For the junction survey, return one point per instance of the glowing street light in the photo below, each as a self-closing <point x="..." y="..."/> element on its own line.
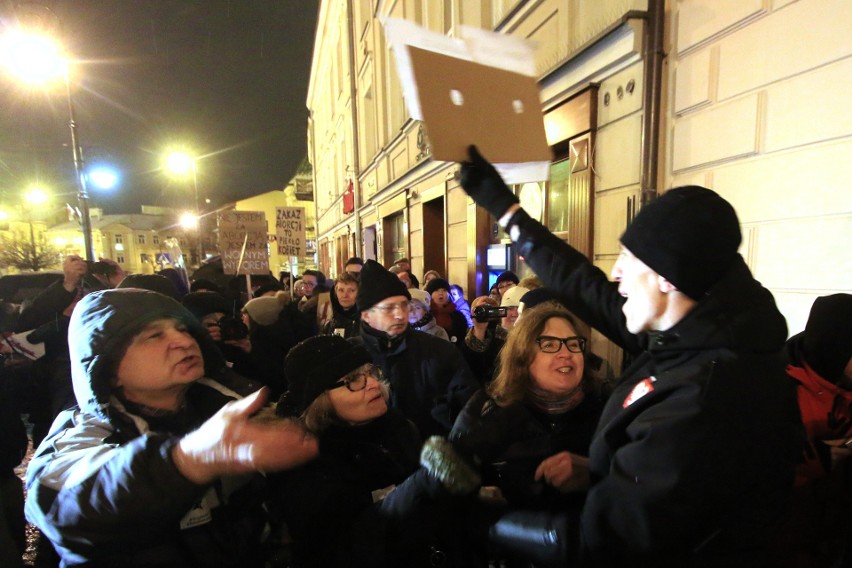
<point x="36" y="196"/>
<point x="189" y="221"/>
<point x="35" y="60"/>
<point x="180" y="163"/>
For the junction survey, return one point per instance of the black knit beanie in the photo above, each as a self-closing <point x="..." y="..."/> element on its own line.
<point x="437" y="284"/>
<point x="316" y="365"/>
<point x="507" y="275"/>
<point x="378" y="283"/>
<point x="204" y="303"/>
<point x="828" y="336"/>
<point x="689" y="236"/>
<point x="153" y="282"/>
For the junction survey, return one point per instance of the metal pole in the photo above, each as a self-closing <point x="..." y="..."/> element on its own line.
<point x="82" y="194"/>
<point x="200" y="247"/>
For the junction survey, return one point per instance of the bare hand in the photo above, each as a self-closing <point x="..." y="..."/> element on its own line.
<point x="230" y="443"/>
<point x="74" y="269"/>
<point x="564" y="471"/>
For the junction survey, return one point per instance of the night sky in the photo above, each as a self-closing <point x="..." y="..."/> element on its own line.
<point x="227" y="79"/>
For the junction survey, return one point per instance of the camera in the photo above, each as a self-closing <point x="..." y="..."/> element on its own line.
<point x="232" y="328"/>
<point x="101" y="267"/>
<point x="489" y="313"/>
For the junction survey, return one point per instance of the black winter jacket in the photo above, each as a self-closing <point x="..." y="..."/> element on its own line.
<point x="510" y="442"/>
<point x="693" y="459"/>
<point x="430" y="381"/>
<point x="102" y="486"/>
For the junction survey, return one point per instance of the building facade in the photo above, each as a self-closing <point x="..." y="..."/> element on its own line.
<point x="744" y="96"/>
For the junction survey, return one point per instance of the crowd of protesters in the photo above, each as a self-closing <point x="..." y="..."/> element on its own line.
<point x="371" y="420"/>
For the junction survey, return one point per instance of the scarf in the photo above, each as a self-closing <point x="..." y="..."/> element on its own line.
<point x="442" y="315"/>
<point x="555" y="403"/>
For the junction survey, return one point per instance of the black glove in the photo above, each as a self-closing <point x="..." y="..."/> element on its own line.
<point x="482" y="182"/>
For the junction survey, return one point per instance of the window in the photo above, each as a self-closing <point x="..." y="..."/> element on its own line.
<point x="119" y="258"/>
<point x="155" y="239"/>
<point x="144" y="258"/>
<point x="140" y="239"/>
<point x="118" y="239"/>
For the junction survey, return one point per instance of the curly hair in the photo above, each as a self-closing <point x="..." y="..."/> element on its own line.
<point x="513" y="379"/>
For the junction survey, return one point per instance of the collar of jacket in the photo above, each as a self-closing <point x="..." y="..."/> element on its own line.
<point x="419" y="324"/>
<point x="382" y="340"/>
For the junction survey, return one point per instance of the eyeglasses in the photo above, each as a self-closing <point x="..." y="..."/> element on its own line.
<point x="505" y="284"/>
<point x="390" y="308"/>
<point x="548" y="344"/>
<point x="357" y="381"/>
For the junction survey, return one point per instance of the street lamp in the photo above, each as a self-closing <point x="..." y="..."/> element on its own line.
<point x="36" y="60"/>
<point x="181" y="164"/>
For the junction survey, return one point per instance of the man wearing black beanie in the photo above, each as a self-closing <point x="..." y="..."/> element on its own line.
<point x="430" y="381"/>
<point x="692" y="461"/>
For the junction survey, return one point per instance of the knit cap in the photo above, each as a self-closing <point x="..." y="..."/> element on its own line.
<point x="378" y="283"/>
<point x="689" y="236"/>
<point x="264" y="310"/>
<point x="437" y="284"/>
<point x="153" y="282"/>
<point x="508" y="275"/>
<point x="512" y="296"/>
<point x="203" y="303"/>
<point x="316" y="365"/>
<point x="421" y="296"/>
<point x="828" y="336"/>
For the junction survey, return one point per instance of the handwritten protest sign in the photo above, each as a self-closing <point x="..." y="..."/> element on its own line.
<point x="290" y="231"/>
<point x="236" y="228"/>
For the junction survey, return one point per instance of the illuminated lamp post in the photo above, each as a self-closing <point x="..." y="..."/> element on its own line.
<point x="182" y="164"/>
<point x="37" y="60"/>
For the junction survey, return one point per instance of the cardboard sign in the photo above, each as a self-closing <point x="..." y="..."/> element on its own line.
<point x="478" y="88"/>
<point x="467" y="103"/>
<point x="290" y="231"/>
<point x="238" y="228"/>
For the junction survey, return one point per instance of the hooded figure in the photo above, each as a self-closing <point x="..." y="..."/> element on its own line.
<point x="122" y="479"/>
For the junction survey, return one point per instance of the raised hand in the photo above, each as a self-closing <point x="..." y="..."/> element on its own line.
<point x="484" y="185"/>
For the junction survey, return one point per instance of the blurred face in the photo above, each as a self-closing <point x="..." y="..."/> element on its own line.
<point x="646" y="303"/>
<point x="309" y="282"/>
<point x="361" y="399"/>
<point x="416" y="312"/>
<point x="455" y="295"/>
<point x="405" y="279"/>
<point x="494" y="294"/>
<point x="346" y="293"/>
<point x="508" y="322"/>
<point x="559" y="372"/>
<point x="353" y="268"/>
<point x="390" y="315"/>
<point x="406" y="266"/>
<point x="441" y="296"/>
<point x="429" y="276"/>
<point x="211" y="322"/>
<point x="503" y="286"/>
<point x="160" y="364"/>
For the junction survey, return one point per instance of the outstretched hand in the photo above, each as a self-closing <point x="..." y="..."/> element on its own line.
<point x="229" y="442"/>
<point x="484" y="185"/>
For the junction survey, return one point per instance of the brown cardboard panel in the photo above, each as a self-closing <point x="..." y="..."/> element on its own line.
<point x="467" y="103"/>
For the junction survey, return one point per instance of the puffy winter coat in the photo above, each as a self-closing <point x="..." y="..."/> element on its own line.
<point x="102" y="486"/>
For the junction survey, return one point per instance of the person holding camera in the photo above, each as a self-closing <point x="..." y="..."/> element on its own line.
<point x="483" y="341"/>
<point x="47" y="315"/>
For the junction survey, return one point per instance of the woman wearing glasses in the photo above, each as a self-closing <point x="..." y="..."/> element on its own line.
<point x="532" y="426"/>
<point x="360" y="502"/>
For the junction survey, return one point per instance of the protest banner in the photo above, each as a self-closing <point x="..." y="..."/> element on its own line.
<point x="290" y="231"/>
<point x="243" y="227"/>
